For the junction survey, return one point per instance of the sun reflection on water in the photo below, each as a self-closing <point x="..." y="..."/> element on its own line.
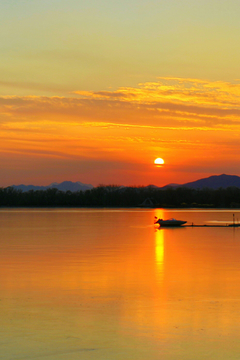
<point x="159" y="254"/>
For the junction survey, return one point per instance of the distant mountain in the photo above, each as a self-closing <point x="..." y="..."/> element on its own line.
<point x="64" y="186"/>
<point x="172" y="185"/>
<point x="69" y="185"/>
<point x="213" y="182"/>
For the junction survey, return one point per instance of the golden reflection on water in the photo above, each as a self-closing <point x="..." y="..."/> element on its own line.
<point x="159" y="253"/>
<point x="112" y="286"/>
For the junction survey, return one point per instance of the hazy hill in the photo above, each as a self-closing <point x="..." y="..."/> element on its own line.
<point x="64" y="186"/>
<point x="213" y="182"/>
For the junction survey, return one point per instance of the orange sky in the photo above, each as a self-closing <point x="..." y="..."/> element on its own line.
<point x="114" y="136"/>
<point x="95" y="93"/>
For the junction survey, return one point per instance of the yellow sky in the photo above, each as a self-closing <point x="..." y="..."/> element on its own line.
<point x="95" y="91"/>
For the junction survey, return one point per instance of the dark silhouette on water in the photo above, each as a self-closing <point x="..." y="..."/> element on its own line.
<point x="179" y="223"/>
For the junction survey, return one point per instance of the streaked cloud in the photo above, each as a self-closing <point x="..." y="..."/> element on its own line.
<point x="171" y="105"/>
<point x="190" y="91"/>
<point x="170" y="102"/>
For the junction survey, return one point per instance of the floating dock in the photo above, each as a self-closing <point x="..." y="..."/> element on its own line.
<point x="201" y="226"/>
<point x="232" y="224"/>
<point x="211" y="225"/>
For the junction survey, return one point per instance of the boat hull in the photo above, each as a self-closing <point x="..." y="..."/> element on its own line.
<point x="170" y="223"/>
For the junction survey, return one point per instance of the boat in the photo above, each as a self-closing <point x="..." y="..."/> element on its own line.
<point x="170" y="222"/>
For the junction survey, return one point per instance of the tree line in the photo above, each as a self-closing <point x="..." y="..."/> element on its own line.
<point x="117" y="196"/>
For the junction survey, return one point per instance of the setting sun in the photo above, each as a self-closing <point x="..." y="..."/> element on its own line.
<point x="159" y="161"/>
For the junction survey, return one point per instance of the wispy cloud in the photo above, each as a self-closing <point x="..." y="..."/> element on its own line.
<point x="177" y="90"/>
<point x="169" y="103"/>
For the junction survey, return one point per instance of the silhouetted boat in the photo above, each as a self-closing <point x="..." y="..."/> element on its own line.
<point x="170" y="222"/>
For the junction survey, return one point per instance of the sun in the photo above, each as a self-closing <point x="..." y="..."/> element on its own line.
<point x="159" y="161"/>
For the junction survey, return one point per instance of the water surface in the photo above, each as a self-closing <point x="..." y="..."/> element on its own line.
<point x="106" y="284"/>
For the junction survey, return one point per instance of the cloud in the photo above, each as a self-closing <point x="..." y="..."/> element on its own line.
<point x="176" y="90"/>
<point x="169" y="103"/>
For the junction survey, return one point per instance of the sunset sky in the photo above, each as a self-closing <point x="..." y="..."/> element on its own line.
<point x="95" y="91"/>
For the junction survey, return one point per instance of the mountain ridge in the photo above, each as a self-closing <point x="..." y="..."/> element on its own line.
<point x="63" y="186"/>
<point x="212" y="182"/>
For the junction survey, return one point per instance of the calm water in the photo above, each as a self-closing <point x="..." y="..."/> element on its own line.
<point x="105" y="284"/>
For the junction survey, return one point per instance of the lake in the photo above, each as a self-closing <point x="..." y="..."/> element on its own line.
<point x="105" y="284"/>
